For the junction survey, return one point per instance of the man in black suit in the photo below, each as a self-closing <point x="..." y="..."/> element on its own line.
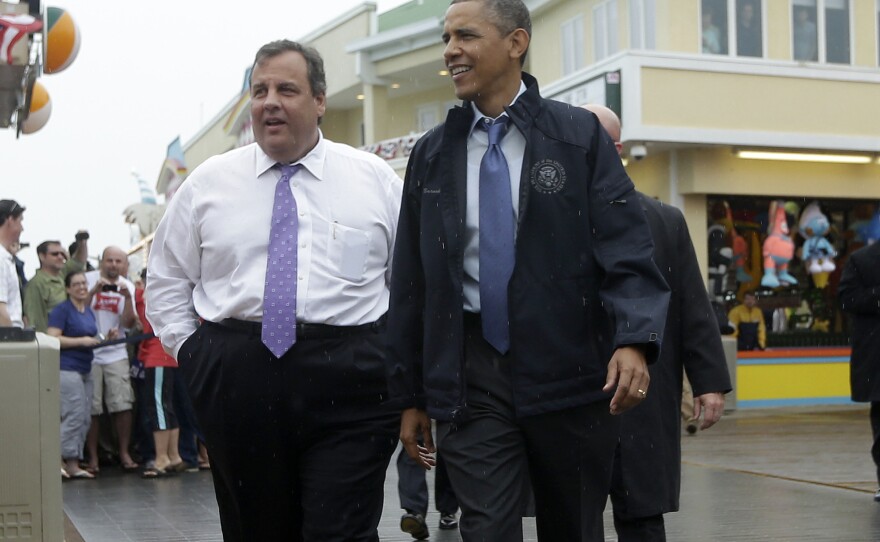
<point x="859" y="294"/>
<point x="526" y="387"/>
<point x="647" y="463"/>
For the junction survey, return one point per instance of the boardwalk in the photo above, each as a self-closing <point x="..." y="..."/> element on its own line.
<point x="775" y="475"/>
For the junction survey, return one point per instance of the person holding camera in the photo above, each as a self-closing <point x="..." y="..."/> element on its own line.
<point x="46" y="288"/>
<point x="113" y="304"/>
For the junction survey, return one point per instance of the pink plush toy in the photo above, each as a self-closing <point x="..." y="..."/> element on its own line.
<point x="778" y="249"/>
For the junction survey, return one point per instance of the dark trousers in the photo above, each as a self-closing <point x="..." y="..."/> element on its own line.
<point x="875" y="429"/>
<point x="190" y="434"/>
<point x="299" y="445"/>
<point x="567" y="455"/>
<point x="412" y="487"/>
<point x="647" y="529"/>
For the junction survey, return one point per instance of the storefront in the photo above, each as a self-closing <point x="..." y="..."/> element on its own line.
<point x="790" y="252"/>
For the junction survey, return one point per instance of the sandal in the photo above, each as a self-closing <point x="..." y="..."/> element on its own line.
<point x="152" y="473"/>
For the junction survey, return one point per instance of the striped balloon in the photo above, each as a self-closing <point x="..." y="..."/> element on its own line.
<point x="62" y="40"/>
<point x="41" y="109"/>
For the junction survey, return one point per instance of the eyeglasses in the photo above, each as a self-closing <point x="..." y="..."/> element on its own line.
<point x="78" y="284"/>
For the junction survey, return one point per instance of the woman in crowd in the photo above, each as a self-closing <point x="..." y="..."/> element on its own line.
<point x="159" y="393"/>
<point x="73" y="323"/>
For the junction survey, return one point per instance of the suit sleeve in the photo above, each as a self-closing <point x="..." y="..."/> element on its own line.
<point x="406" y="305"/>
<point x="856" y="294"/>
<point x="701" y="350"/>
<point x="633" y="290"/>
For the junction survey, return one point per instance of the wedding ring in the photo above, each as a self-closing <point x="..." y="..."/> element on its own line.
<point x="643" y="393"/>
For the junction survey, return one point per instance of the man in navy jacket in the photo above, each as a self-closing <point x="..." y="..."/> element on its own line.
<point x="586" y="304"/>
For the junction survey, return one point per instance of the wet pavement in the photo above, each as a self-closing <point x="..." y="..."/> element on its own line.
<point x="781" y="474"/>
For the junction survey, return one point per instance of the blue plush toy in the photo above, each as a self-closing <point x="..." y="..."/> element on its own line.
<point x="817" y="251"/>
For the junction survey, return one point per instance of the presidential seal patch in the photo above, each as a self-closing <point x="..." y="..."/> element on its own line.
<point x="548" y="176"/>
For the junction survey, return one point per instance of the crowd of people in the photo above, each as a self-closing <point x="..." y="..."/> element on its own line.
<point x="538" y="322"/>
<point x="109" y="360"/>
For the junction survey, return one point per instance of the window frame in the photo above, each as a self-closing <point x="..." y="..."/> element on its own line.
<point x="822" y="32"/>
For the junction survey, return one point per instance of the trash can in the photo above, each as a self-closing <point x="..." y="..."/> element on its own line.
<point x="30" y="437"/>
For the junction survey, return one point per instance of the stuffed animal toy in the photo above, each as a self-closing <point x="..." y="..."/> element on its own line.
<point x="817" y="251"/>
<point x="778" y="248"/>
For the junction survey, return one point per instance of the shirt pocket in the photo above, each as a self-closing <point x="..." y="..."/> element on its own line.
<point x="349" y="248"/>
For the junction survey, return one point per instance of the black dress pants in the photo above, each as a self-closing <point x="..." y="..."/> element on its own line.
<point x="299" y="445"/>
<point x="412" y="486"/>
<point x="566" y="455"/>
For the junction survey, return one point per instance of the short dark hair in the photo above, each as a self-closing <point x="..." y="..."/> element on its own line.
<point x="314" y="62"/>
<point x="43" y="247"/>
<point x="69" y="277"/>
<point x="507" y="16"/>
<point x="10" y="208"/>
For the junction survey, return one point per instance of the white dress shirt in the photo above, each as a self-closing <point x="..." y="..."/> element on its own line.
<point x="513" y="145"/>
<point x="10" y="292"/>
<point x="208" y="257"/>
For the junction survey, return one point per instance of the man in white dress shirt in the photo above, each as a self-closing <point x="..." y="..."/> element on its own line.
<point x="11" y="217"/>
<point x="300" y="435"/>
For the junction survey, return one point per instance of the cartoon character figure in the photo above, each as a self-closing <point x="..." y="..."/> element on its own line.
<point x="739" y="246"/>
<point x="817" y="251"/>
<point x="778" y="249"/>
<point x="870" y="231"/>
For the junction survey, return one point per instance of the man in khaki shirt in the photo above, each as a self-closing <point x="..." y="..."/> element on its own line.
<point x="46" y="289"/>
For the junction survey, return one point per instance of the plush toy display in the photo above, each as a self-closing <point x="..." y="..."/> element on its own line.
<point x="778" y="248"/>
<point x="817" y="251"/>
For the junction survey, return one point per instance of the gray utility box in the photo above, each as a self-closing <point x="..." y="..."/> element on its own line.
<point x="30" y="437"/>
<point x="729" y="344"/>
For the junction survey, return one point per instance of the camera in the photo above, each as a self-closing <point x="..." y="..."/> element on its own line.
<point x="82" y="235"/>
<point x="638" y="152"/>
<point x="109" y="288"/>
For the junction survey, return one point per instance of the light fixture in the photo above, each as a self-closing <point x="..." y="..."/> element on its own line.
<point x="360" y="97"/>
<point x="395" y="85"/>
<point x="804" y="157"/>
<point x="444" y="73"/>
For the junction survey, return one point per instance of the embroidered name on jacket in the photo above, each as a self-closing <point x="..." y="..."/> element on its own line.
<point x="548" y="176"/>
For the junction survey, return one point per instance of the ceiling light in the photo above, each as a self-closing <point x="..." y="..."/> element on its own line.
<point x="444" y="73"/>
<point x="804" y="157"/>
<point x="395" y="85"/>
<point x="360" y="96"/>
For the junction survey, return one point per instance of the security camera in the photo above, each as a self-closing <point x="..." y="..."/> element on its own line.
<point x="637" y="152"/>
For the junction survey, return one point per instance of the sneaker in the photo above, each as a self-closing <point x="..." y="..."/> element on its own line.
<point x="448" y="521"/>
<point x="415" y="525"/>
<point x="877" y="496"/>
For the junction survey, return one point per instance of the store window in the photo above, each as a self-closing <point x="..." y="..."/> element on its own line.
<point x="572" y="32"/>
<point x="795" y="286"/>
<point x="821" y="31"/>
<point x="642" y="32"/>
<point x="605" y="29"/>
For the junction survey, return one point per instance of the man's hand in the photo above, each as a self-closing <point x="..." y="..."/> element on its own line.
<point x="415" y="427"/>
<point x="627" y="370"/>
<point x="712" y="406"/>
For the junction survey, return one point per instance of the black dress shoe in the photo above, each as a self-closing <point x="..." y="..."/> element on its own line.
<point x="877" y="496"/>
<point x="415" y="525"/>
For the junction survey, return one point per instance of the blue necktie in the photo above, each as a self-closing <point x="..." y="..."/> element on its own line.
<point x="496" y="237"/>
<point x="279" y="295"/>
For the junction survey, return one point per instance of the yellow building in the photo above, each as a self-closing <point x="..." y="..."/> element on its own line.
<point x="723" y="102"/>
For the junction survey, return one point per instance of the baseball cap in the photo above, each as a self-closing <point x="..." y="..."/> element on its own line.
<point x="9" y="207"/>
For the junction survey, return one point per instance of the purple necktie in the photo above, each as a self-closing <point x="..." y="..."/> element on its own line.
<point x="279" y="296"/>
